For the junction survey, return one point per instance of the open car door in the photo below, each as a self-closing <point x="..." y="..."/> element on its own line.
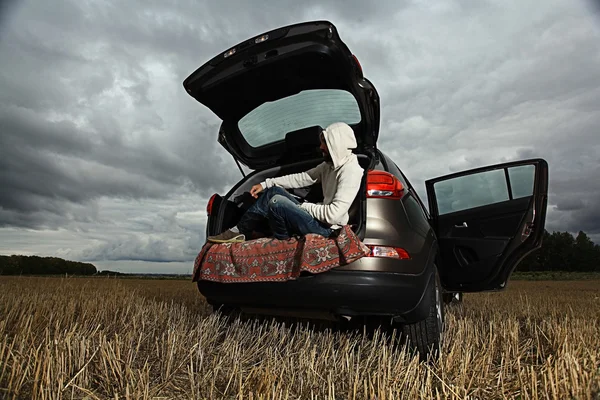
<point x="487" y="220"/>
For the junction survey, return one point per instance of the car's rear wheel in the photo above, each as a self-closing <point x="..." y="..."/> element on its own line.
<point x="426" y="336"/>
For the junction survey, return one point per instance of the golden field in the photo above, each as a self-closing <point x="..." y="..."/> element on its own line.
<point x="106" y="338"/>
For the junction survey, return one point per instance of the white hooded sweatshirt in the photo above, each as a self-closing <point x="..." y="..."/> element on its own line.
<point x="340" y="181"/>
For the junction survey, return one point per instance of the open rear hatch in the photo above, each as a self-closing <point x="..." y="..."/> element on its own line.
<point x="285" y="80"/>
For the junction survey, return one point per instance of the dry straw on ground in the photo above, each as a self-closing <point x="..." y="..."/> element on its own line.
<point x="63" y="338"/>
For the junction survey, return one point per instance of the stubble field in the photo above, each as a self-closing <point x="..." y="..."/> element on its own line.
<point x="101" y="338"/>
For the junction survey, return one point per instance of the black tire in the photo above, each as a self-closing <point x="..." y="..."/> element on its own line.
<point x="426" y="336"/>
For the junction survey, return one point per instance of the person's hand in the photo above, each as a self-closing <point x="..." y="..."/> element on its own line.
<point x="256" y="189"/>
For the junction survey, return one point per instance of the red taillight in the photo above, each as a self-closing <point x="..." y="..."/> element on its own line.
<point x="388" y="252"/>
<point x="381" y="184"/>
<point x="209" y="206"/>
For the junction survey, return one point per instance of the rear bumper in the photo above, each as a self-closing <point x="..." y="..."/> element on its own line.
<point x="351" y="293"/>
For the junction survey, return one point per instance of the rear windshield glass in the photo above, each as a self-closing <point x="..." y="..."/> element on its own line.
<point x="271" y="121"/>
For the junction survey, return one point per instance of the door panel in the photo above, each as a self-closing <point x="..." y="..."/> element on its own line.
<point x="477" y="238"/>
<point x="487" y="220"/>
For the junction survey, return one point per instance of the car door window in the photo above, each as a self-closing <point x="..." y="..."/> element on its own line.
<point x="465" y="192"/>
<point x="521" y="180"/>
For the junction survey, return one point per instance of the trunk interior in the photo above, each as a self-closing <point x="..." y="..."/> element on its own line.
<point x="227" y="210"/>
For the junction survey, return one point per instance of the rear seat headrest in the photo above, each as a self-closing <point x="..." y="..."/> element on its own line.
<point x="307" y="138"/>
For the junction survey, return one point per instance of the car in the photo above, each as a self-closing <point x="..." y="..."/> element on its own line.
<point x="274" y="93"/>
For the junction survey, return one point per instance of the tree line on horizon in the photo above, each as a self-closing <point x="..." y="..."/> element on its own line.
<point x="560" y="251"/>
<point x="35" y="265"/>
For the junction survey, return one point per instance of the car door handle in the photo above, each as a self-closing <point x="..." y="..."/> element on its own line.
<point x="463" y="225"/>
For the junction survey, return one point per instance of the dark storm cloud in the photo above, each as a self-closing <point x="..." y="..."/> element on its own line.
<point x="570" y="204"/>
<point x="45" y="163"/>
<point x="173" y="233"/>
<point x="526" y="91"/>
<point x="62" y="141"/>
<point x="142" y="249"/>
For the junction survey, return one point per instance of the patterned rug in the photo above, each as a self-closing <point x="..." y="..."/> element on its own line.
<point x="270" y="259"/>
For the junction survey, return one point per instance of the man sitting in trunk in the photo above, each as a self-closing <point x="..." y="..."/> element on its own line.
<point x="340" y="175"/>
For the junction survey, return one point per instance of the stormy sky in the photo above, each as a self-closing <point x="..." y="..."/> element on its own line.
<point x="105" y="158"/>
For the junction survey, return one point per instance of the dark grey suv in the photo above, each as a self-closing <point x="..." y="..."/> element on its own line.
<point x="273" y="93"/>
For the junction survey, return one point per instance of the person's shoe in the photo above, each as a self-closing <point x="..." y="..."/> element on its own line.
<point x="227" y="237"/>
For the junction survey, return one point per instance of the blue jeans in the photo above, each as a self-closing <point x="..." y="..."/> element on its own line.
<point x="284" y="215"/>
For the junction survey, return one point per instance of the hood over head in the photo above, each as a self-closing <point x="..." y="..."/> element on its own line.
<point x="340" y="141"/>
